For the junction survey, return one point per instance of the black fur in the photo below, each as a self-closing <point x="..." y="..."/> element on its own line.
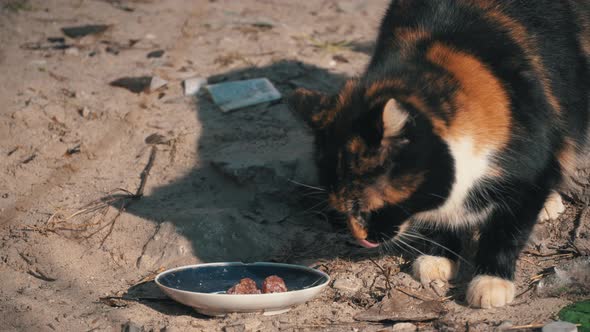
<point x="529" y="162"/>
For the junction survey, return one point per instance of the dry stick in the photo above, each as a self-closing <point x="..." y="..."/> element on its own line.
<point x="415" y="295"/>
<point x="138" y="194"/>
<point x="525" y="327"/>
<point x="400" y="289"/>
<point x="529" y="327"/>
<point x="385" y="274"/>
<point x="145" y="173"/>
<point x="39" y="274"/>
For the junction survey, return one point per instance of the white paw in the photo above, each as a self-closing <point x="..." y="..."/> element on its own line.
<point x="429" y="268"/>
<point x="553" y="207"/>
<point x="490" y="292"/>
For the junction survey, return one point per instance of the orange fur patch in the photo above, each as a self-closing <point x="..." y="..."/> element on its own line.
<point x="520" y="35"/>
<point x="380" y="86"/>
<point x="483" y="106"/>
<point x="567" y="157"/>
<point x="356" y="146"/>
<point x="387" y="191"/>
<point x="326" y="117"/>
<point x="407" y="38"/>
<point x="356" y="229"/>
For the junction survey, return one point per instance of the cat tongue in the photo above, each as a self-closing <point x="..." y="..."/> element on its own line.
<point x="367" y="244"/>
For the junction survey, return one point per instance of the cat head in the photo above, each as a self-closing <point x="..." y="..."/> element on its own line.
<point x="377" y="157"/>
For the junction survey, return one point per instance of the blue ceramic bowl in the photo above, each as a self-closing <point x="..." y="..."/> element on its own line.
<point x="203" y="286"/>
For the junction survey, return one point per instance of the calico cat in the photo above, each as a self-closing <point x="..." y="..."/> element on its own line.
<point x="467" y="117"/>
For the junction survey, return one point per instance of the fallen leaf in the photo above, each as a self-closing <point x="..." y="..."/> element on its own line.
<point x="399" y="307"/>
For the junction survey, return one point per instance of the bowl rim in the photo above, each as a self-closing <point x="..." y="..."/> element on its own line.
<point x="218" y="295"/>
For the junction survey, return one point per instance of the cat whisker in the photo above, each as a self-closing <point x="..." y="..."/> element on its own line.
<point x="420" y="237"/>
<point x="437" y="196"/>
<point x="411" y="246"/>
<point x="307" y="186"/>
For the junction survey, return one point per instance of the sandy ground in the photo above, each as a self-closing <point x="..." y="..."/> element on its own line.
<point x="220" y="188"/>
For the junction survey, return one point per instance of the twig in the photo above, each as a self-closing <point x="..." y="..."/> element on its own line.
<point x="530" y="288"/>
<point x="145" y="173"/>
<point x="525" y="327"/>
<point x="529" y="327"/>
<point x="138" y="261"/>
<point x="39" y="274"/>
<point x="25" y="258"/>
<point x="112" y="223"/>
<point x="138" y="194"/>
<point x="11" y="152"/>
<point x="111" y="299"/>
<point x="414" y="294"/>
<point x="29" y="159"/>
<point x="150" y="277"/>
<point x="385" y="274"/>
<point x="559" y="252"/>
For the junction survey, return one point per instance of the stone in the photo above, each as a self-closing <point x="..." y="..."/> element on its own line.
<point x="84" y="30"/>
<point x="403" y="327"/>
<point x="72" y="51"/>
<point x="235" y="328"/>
<point x="505" y="325"/>
<point x="134" y="84"/>
<point x="155" y="54"/>
<point x="399" y="307"/>
<point x="439" y="287"/>
<point x="193" y="85"/>
<point x="347" y="285"/>
<point x="157" y="83"/>
<point x="130" y="327"/>
<point x="560" y="327"/>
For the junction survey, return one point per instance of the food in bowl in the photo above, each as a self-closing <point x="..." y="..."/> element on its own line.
<point x="245" y="286"/>
<point x="273" y="284"/>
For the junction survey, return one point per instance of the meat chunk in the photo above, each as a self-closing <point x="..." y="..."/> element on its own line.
<point x="245" y="286"/>
<point x="273" y="284"/>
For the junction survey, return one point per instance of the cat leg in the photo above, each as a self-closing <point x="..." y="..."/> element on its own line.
<point x="501" y="240"/>
<point x="553" y="207"/>
<point x="441" y="262"/>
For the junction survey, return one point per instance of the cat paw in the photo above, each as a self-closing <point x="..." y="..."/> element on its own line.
<point x="490" y="292"/>
<point x="429" y="268"/>
<point x="553" y="207"/>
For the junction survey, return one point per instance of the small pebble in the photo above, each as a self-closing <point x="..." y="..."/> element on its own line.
<point x="403" y="327"/>
<point x="157" y="83"/>
<point x="347" y="285"/>
<point x="193" y="85"/>
<point x="505" y="325"/>
<point x="560" y="327"/>
<point x="72" y="51"/>
<point x="84" y="112"/>
<point x="155" y="54"/>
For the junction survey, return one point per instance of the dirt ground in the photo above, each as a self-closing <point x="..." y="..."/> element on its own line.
<point x="76" y="245"/>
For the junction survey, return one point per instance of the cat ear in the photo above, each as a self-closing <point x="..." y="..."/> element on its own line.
<point x="312" y="106"/>
<point x="394" y="119"/>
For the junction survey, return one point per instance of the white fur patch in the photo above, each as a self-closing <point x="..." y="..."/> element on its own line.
<point x="429" y="268"/>
<point x="490" y="292"/>
<point x="553" y="207"/>
<point x="471" y="166"/>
